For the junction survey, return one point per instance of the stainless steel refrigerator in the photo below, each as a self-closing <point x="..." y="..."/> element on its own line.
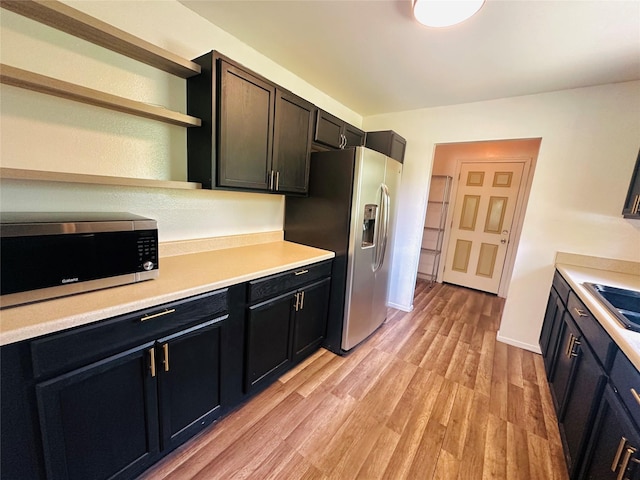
<point x="350" y="210"/>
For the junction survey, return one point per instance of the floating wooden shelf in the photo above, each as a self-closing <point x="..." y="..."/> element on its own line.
<point x="33" y="81"/>
<point x="72" y="21"/>
<point x="43" y="176"/>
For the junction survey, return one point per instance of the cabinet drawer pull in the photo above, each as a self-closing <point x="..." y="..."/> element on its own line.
<point x="635" y="395"/>
<point x="301" y="272"/>
<point x="152" y="358"/>
<point x="167" y="311"/>
<point x="580" y="312"/>
<point x="165" y="351"/>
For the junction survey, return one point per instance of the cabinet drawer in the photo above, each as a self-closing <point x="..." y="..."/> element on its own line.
<point x="597" y="338"/>
<point x="626" y="379"/>
<point x="561" y="286"/>
<point x="275" y="284"/>
<point x="63" y="351"/>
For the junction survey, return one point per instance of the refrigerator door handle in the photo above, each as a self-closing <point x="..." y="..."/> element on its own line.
<point x="381" y="241"/>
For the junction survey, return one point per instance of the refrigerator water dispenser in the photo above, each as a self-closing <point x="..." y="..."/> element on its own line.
<point x="369" y="225"/>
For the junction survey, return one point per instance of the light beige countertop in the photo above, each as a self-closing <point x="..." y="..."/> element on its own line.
<point x="181" y="276"/>
<point x="627" y="277"/>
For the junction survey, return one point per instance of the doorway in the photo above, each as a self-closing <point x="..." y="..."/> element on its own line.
<point x="496" y="258"/>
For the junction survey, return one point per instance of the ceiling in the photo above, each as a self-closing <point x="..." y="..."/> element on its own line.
<point x="371" y="56"/>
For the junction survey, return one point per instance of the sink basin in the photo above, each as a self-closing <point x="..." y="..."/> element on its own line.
<point x="623" y="304"/>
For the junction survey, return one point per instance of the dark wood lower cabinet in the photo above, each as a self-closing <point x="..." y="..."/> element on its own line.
<point x="550" y="334"/>
<point x="268" y="339"/>
<point x="600" y="437"/>
<point x="111" y="419"/>
<point x="189" y="381"/>
<point x="284" y="330"/>
<point x="562" y="363"/>
<point x="109" y="399"/>
<point x="100" y="421"/>
<point x="581" y="401"/>
<point x="612" y="453"/>
<point x="310" y="321"/>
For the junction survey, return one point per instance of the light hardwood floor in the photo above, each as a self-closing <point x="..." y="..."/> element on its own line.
<point x="431" y="395"/>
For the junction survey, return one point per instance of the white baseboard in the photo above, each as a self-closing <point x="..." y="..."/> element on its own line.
<point x="404" y="308"/>
<point x="516" y="343"/>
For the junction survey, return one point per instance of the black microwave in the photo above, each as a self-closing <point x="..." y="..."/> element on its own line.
<point x="51" y="254"/>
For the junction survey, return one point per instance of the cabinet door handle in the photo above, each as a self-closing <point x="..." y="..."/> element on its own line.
<point x="302" y="301"/>
<point x="167" y="311"/>
<point x="625" y="463"/>
<point x="152" y="361"/>
<point x="580" y="312"/>
<point x="165" y="351"/>
<point x="297" y="300"/>
<point x="573" y="347"/>
<point x="301" y="272"/>
<point x="271" y="180"/>
<point x="636" y="205"/>
<point x="569" y="348"/>
<point x="277" y="181"/>
<point x="635" y="395"/>
<point x="616" y="457"/>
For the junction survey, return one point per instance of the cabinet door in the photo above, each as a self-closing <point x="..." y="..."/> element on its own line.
<point x="354" y="136"/>
<point x="563" y="363"/>
<point x="582" y="400"/>
<point x="189" y="381"/>
<point x="632" y="204"/>
<point x="268" y="333"/>
<point x="245" y="129"/>
<point x="292" y="142"/>
<point x="329" y="130"/>
<point x="100" y="421"/>
<point x="387" y="142"/>
<point x="551" y="331"/>
<point x="310" y="321"/>
<point x="398" y="146"/>
<point x="614" y="443"/>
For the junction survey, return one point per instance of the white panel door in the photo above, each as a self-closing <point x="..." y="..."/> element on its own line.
<point x="483" y="213"/>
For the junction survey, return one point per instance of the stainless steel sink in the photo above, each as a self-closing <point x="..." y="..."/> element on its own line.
<point x="623" y="304"/>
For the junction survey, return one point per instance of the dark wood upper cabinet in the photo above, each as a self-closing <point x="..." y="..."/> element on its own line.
<point x="354" y="137"/>
<point x="255" y="135"/>
<point x="246" y="106"/>
<point x="632" y="204"/>
<point x="336" y="133"/>
<point x="387" y="142"/>
<point x="293" y="131"/>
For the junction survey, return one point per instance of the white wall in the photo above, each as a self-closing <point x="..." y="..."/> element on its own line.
<point x="590" y="140"/>
<point x="47" y="133"/>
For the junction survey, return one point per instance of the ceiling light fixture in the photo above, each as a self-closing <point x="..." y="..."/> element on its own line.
<point x="444" y="13"/>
